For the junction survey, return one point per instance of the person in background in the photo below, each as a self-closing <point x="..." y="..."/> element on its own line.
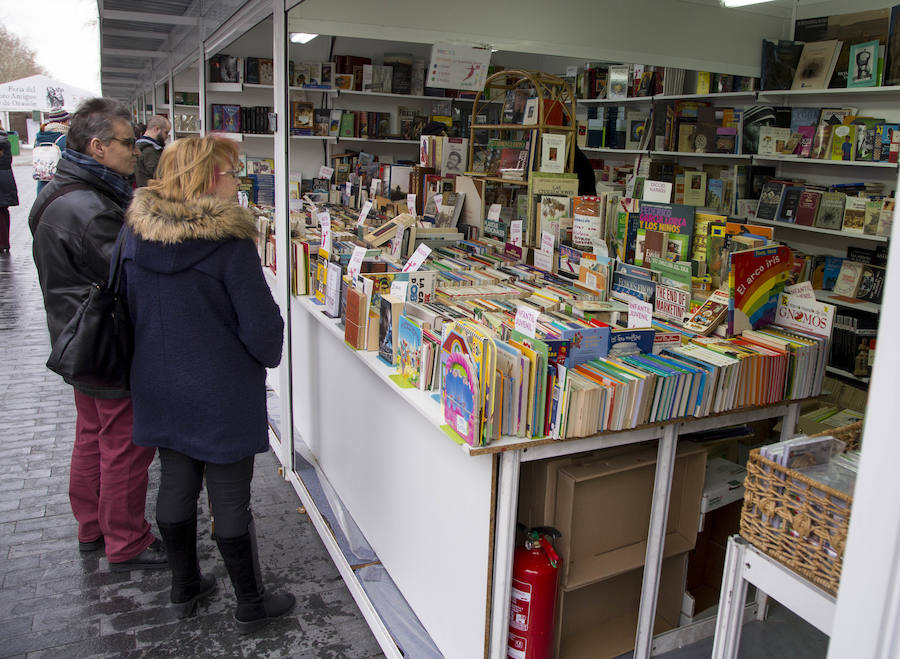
<point x="151" y="145"/>
<point x="9" y="193"/>
<point x="205" y="329"/>
<point x="53" y="131"/>
<point x="75" y="221"/>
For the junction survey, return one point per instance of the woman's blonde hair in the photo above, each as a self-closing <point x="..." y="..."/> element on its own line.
<point x="188" y="167"/>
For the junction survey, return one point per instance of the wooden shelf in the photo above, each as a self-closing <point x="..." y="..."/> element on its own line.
<point x="822" y="161"/>
<point x="845" y="374"/>
<point x="829" y="298"/>
<point x="832" y="232"/>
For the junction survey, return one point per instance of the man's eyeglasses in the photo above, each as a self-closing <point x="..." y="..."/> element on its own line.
<point x="127" y="141"/>
<point x="233" y="173"/>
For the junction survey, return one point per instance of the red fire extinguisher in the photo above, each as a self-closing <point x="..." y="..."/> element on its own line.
<point x="533" y="600"/>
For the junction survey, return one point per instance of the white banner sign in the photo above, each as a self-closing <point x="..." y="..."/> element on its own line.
<point x="458" y="67"/>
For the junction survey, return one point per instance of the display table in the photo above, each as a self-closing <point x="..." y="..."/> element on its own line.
<point x="441" y="517"/>
<point x="745" y="564"/>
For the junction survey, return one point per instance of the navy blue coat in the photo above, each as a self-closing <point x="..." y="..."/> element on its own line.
<point x="206" y="327"/>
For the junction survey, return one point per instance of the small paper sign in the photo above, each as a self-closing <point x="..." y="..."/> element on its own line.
<point x="411" y="204"/>
<point x="398" y="289"/>
<point x="543" y="260"/>
<point x="348" y="188"/>
<point x="325" y="172"/>
<point x="600" y="247"/>
<point x="526" y="320"/>
<point x="547" y="241"/>
<point x="356" y="260"/>
<point x="494" y="212"/>
<point x="417" y="259"/>
<point x="803" y="289"/>
<point x="325" y="224"/>
<point x="397" y="242"/>
<point x="640" y="314"/>
<point x="515" y="233"/>
<point x="364" y="213"/>
<point x="657" y="191"/>
<point x="374" y="187"/>
<point x="590" y="279"/>
<point x="438" y="201"/>
<point x="571" y="71"/>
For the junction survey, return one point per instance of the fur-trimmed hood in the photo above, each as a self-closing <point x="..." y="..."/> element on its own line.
<point x="174" y="236"/>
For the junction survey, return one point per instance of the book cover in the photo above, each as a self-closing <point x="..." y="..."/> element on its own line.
<point x="843" y="142"/>
<point x="695" y="188"/>
<point x="873" y="213"/>
<point x="676" y="220"/>
<point x="348" y="122"/>
<point x="710" y="314"/>
<point x="808" y="207"/>
<point x="460" y="394"/>
<point x="803" y="116"/>
<point x="849" y="279"/>
<point x="630" y="341"/>
<point x="862" y="70"/>
<point x="618" y="81"/>
<point x="831" y="211"/>
<point x="779" y="63"/>
<point x="409" y="350"/>
<point x="231" y="118"/>
<point x="553" y="153"/>
<point x="816" y="64"/>
<point x="886" y="217"/>
<point x="770" y="200"/>
<point x="790" y="201"/>
<point x="854" y="215"/>
<point x="772" y="140"/>
<point x="756" y="279"/>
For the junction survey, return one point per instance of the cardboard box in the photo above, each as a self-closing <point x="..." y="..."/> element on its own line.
<point x="706" y="562"/>
<point x="724" y="484"/>
<point x="602" y="510"/>
<point x="600" y="620"/>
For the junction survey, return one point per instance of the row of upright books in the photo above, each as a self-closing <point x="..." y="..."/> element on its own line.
<point x="258" y="119"/>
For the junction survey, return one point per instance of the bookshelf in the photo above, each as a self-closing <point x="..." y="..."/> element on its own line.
<point x="821" y="161"/>
<point x="859" y="305"/>
<point x="829" y="232"/>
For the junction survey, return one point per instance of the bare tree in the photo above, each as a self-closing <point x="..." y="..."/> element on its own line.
<point x="18" y="59"/>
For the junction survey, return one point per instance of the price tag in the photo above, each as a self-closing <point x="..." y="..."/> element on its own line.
<point x="411" y="204"/>
<point x="494" y="212"/>
<point x="418" y="258"/>
<point x="438" y="200"/>
<point x="348" y="188"/>
<point x="364" y="213"/>
<point x="600" y="247"/>
<point x="397" y="242"/>
<point x="398" y="289"/>
<point x="356" y="260"/>
<point x="515" y="233"/>
<point x="374" y="187"/>
<point x="640" y="314"/>
<point x="571" y="71"/>
<point x="325" y="224"/>
<point x="526" y="320"/>
<point x="325" y="172"/>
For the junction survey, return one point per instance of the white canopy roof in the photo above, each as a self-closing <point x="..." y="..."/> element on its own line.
<point x="40" y="93"/>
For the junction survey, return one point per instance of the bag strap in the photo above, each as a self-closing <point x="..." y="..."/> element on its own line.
<point x="56" y="141"/>
<point x="59" y="192"/>
<point x="116" y="267"/>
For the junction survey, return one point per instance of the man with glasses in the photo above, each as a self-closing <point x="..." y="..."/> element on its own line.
<point x="75" y="221"/>
<point x="151" y="145"/>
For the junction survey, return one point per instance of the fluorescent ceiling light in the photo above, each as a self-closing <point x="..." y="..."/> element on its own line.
<point x="742" y="3"/>
<point x="302" y="37"/>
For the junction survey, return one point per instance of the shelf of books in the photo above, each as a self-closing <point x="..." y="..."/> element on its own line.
<point x="819" y="161"/>
<point x="830" y="232"/>
<point x="848" y="302"/>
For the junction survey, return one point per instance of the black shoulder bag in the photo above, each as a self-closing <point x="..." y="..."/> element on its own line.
<point x="96" y="346"/>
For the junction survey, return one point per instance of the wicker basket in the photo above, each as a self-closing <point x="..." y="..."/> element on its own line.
<point x="797" y="521"/>
<point x="851" y="434"/>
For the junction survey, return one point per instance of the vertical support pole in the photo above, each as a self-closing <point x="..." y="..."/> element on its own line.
<point x="504" y="546"/>
<point x="731" y="602"/>
<point x="282" y="223"/>
<point x="172" y="102"/>
<point x="789" y="421"/>
<point x="656" y="537"/>
<point x="201" y="86"/>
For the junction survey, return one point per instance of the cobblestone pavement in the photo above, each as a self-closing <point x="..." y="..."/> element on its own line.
<point x="54" y="602"/>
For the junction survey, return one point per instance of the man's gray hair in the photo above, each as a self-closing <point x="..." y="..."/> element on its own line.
<point x="157" y="121"/>
<point x="95" y="117"/>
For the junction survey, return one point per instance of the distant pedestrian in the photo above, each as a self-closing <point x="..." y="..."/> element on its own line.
<point x="9" y="193"/>
<point x="151" y="145"/>
<point x="75" y="221"/>
<point x="205" y="329"/>
<point x="53" y="132"/>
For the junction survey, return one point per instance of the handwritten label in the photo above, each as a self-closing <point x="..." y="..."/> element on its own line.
<point x="803" y="289"/>
<point x="600" y="247"/>
<point x="417" y="259"/>
<point x="515" y="233"/>
<point x="640" y="314"/>
<point x="364" y="213"/>
<point x="526" y="320"/>
<point x="325" y="224"/>
<point x="325" y="172"/>
<point x="397" y="242"/>
<point x="494" y="212"/>
<point x="438" y="201"/>
<point x="398" y="289"/>
<point x="547" y="241"/>
<point x="374" y="187"/>
<point x="411" y="204"/>
<point x="356" y="260"/>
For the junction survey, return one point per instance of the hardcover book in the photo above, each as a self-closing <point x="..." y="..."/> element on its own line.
<point x="831" y="211"/>
<point x="790" y="201"/>
<point x="770" y="200"/>
<point x="756" y="279"/>
<point x="849" y="278"/>
<point x="808" y="207"/>
<point x="854" y="215"/>
<point x="676" y="220"/>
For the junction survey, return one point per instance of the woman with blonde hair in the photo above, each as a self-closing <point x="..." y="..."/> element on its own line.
<point x="206" y="327"/>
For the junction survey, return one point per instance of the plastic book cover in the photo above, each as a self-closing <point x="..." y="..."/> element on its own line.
<point x="756" y="279"/>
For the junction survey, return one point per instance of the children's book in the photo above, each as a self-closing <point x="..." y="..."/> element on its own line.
<point x="676" y="220"/>
<point x="710" y="314"/>
<point x="756" y="279"/>
<point x="409" y="350"/>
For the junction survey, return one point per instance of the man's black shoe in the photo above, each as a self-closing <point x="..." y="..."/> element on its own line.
<point x="93" y="545"/>
<point x="152" y="558"/>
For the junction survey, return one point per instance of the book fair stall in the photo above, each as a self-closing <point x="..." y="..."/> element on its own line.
<point x="579" y="342"/>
